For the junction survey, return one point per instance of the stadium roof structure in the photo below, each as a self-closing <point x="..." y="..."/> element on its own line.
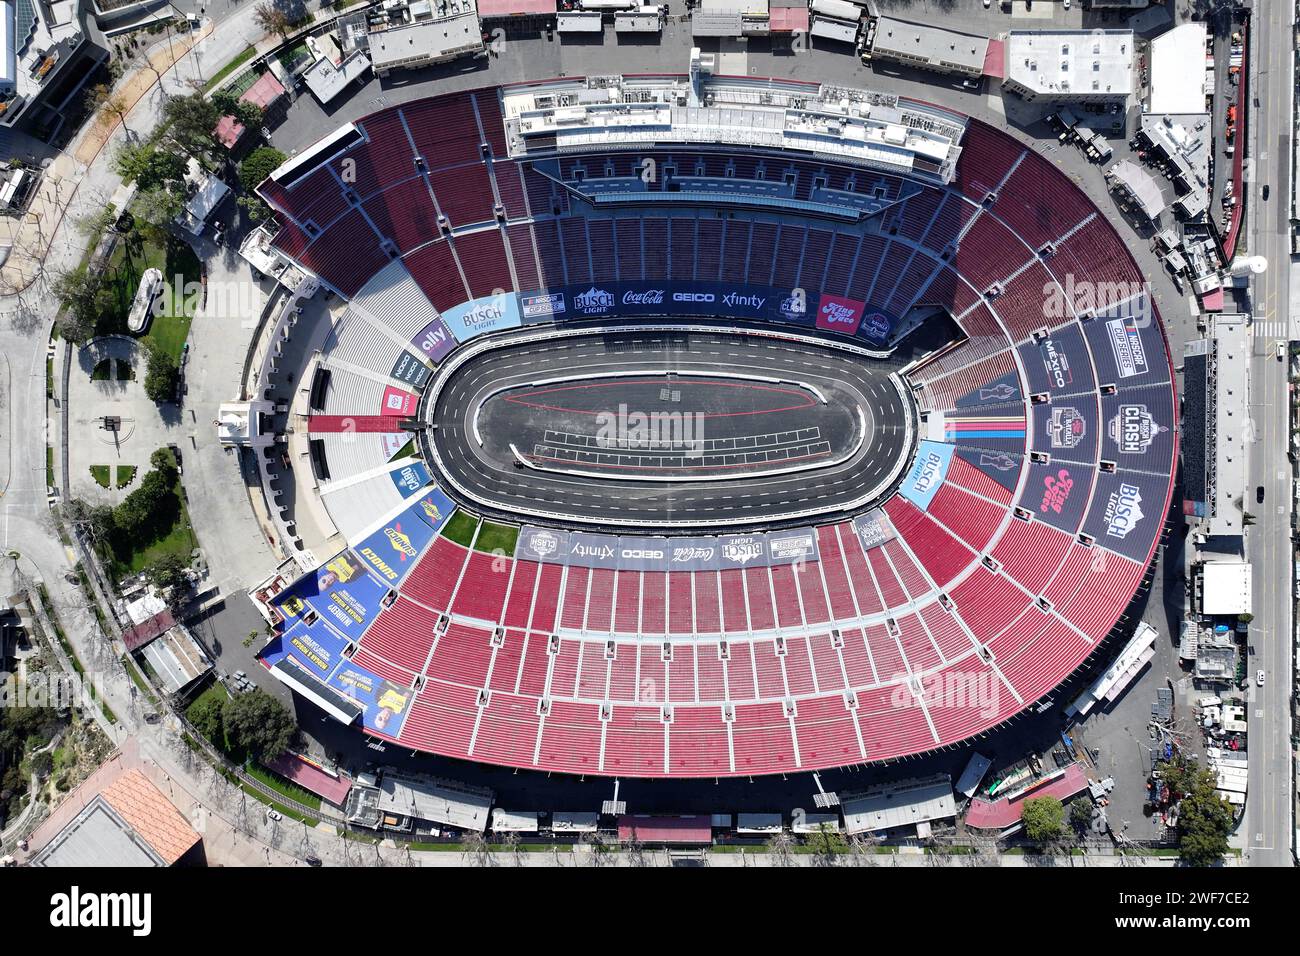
<point x="401" y="802"/>
<point x="909" y="803"/>
<point x="877" y="129"/>
<point x="1050" y="435"/>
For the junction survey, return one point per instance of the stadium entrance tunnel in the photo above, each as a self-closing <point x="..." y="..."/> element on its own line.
<point x="653" y="428"/>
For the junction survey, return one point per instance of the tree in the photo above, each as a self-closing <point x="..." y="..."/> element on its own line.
<point x="205" y="715"/>
<point x="155" y="211"/>
<point x="271" y="18"/>
<point x="1204" y="822"/>
<point x="168" y="571"/>
<point x="259" y="724"/>
<point x="250" y="114"/>
<point x="190" y="121"/>
<point x="161" y="374"/>
<point x="149" y="166"/>
<point x="108" y="103"/>
<point x="259" y="164"/>
<point x="1044" y="818"/>
<point x="79" y="291"/>
<point x="1081" y="814"/>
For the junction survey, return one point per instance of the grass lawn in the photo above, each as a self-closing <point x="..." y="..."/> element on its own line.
<point x="49" y="466"/>
<point x="282" y="786"/>
<point x="405" y="451"/>
<point x="231" y="67"/>
<point x="103" y="371"/>
<point x="171" y="326"/>
<point x="497" y="538"/>
<point x="101" y="475"/>
<point x="125" y="475"/>
<point x="179" y="540"/>
<point x="460" y="528"/>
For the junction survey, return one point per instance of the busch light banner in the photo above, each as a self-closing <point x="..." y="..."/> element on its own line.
<point x="479" y="316"/>
<point x="927" y="474"/>
<point x="645" y="553"/>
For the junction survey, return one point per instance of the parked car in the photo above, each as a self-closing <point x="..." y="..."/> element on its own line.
<point x="1259" y="677"/>
<point x="1259" y="495"/>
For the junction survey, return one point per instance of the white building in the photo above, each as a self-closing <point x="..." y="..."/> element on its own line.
<point x="1070" y="66"/>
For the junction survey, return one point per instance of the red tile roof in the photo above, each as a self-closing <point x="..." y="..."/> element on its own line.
<point x="151" y="815"/>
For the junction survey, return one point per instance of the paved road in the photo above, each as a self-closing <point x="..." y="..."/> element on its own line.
<point x="849" y="382"/>
<point x="1269" y="825"/>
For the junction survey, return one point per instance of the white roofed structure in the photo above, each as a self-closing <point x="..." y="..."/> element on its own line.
<point x="1066" y="66"/>
<point x="1178" y="70"/>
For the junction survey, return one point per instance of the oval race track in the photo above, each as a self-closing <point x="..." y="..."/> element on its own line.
<point x="867" y="441"/>
<point x="1035" y="501"/>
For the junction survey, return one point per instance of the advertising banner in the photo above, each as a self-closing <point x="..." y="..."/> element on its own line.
<point x="927" y="473"/>
<point x="410" y="478"/>
<point x="434" y="341"/>
<point x="433" y="508"/>
<point x="391" y="551"/>
<point x="647" y="553"/>
<point x="873" y="529"/>
<point x="409" y="370"/>
<point x="478" y="316"/>
<point x="398" y="402"/>
<point x="384" y="705"/>
<point x="340" y="591"/>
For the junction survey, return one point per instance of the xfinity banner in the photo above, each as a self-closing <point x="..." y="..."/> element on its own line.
<point x="644" y="553"/>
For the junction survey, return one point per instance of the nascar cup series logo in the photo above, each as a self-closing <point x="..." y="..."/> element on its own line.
<point x="542" y="306"/>
<point x="594" y="301"/>
<point x="1067" y="427"/>
<point x="1133" y="429"/>
<point x="1123" y="511"/>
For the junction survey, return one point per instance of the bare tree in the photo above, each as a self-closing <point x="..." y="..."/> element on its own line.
<point x="781" y="848"/>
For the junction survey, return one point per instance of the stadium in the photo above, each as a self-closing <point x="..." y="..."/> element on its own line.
<point x="706" y="426"/>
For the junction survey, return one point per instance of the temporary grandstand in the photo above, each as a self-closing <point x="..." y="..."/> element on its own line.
<point x="1000" y="563"/>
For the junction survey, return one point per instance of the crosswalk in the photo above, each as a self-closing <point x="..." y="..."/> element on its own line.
<point x="1270" y="329"/>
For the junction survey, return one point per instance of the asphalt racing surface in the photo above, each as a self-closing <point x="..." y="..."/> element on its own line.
<point x="748" y="439"/>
